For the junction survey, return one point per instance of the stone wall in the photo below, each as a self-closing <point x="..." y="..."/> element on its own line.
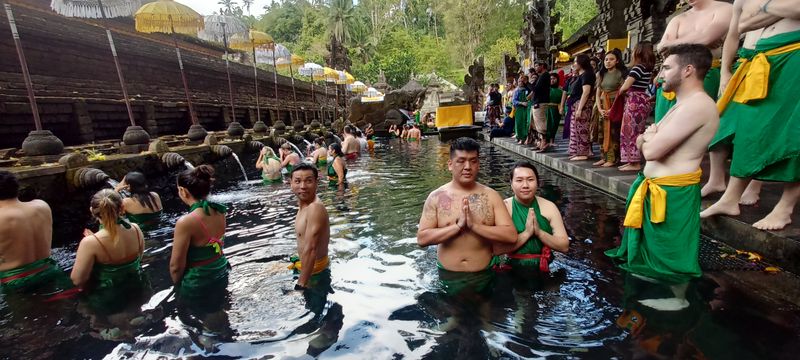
<point x="78" y="92"/>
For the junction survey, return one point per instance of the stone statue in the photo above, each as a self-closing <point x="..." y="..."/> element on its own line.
<point x="474" y="83"/>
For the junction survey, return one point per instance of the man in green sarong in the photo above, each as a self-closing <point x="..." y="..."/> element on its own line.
<point x="705" y="23"/>
<point x="464" y="218"/>
<point x="661" y="239"/>
<point x="761" y="97"/>
<point x="537" y="220"/>
<point x="26" y="233"/>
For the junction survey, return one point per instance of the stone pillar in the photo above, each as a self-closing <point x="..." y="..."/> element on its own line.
<point x="84" y="121"/>
<point x="150" y="122"/>
<point x="252" y="115"/>
<point x="226" y="115"/>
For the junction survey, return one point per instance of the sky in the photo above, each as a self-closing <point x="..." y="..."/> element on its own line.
<point x="207" y="7"/>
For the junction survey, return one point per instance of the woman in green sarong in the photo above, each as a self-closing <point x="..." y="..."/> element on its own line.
<point x="320" y="154"/>
<point x="521" y="111"/>
<point x="143" y="207"/>
<point x="539" y="230"/>
<point x="337" y="167"/>
<point x="108" y="267"/>
<point x="552" y="113"/>
<point x="198" y="266"/>
<point x="270" y="166"/>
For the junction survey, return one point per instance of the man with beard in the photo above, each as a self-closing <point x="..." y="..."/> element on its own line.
<point x="661" y="239"/>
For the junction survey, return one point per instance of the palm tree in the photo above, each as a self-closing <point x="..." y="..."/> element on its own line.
<point x="362" y="41"/>
<point x="227" y="4"/>
<point x="247" y="4"/>
<point x="342" y="14"/>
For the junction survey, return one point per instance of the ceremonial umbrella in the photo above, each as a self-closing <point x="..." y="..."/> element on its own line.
<point x="344" y="79"/>
<point x="250" y="41"/>
<point x="275" y="52"/>
<point x="331" y="76"/>
<point x="217" y="28"/>
<point x="105" y="9"/>
<point x="358" y="87"/>
<point x="290" y="62"/>
<point x="39" y="141"/>
<point x="170" y="17"/>
<point x="311" y="69"/>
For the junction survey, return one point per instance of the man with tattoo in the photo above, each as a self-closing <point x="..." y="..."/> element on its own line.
<point x="26" y="233"/>
<point x="465" y="218"/>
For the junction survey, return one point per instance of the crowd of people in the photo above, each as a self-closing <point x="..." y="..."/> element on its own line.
<point x="607" y="103"/>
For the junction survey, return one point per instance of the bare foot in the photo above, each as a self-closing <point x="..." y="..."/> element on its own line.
<point x="631" y="168"/>
<point x="608" y="164"/>
<point x="720" y="208"/>
<point x="599" y="162"/>
<point x="710" y="188"/>
<point x="579" y="158"/>
<point x="775" y="220"/>
<point x="750" y="196"/>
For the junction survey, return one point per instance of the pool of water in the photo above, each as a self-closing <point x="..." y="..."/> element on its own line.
<point x="384" y="300"/>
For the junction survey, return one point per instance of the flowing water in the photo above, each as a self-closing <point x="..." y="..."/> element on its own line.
<point x="188" y="165"/>
<point x="244" y="173"/>
<point x="383" y="298"/>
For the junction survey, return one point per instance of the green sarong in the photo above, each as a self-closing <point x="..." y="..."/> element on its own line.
<point x="267" y="181"/>
<point x="145" y="221"/>
<point x="710" y="85"/>
<point x="665" y="251"/>
<point x="521" y="114"/>
<point x="733" y="112"/>
<point x="112" y="286"/>
<point x="206" y="270"/>
<point x="766" y="145"/>
<point x="33" y="275"/>
<point x="521" y="258"/>
<point x="553" y="116"/>
<point x="460" y="282"/>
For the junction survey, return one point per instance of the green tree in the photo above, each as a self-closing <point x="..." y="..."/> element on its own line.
<point x="228" y="5"/>
<point x="494" y="58"/>
<point x="573" y="15"/>
<point x="247" y="4"/>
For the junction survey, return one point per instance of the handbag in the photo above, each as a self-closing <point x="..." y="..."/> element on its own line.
<point x="617" y="108"/>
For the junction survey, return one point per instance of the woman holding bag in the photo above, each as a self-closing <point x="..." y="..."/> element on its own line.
<point x="610" y="80"/>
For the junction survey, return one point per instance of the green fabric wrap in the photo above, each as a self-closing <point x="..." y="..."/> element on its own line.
<point x="322" y="162"/>
<point x="519" y="214"/>
<point x="456" y="283"/>
<point x="710" y="85"/>
<point x="521" y="115"/>
<point x="553" y="116"/>
<point x="144" y="220"/>
<point x="664" y="251"/>
<point x="267" y="181"/>
<point x="40" y="272"/>
<point x="766" y="145"/>
<point x="197" y="280"/>
<point x="112" y="285"/>
<point x="733" y="112"/>
<point x="207" y="205"/>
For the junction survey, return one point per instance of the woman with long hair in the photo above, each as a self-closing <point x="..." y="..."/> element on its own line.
<point x="108" y="263"/>
<point x="143" y="207"/>
<point x="198" y="266"/>
<point x="521" y="112"/>
<point x="583" y="101"/>
<point x="270" y="166"/>
<point x="320" y="154"/>
<point x="606" y="133"/>
<point x="337" y="167"/>
<point x="637" y="105"/>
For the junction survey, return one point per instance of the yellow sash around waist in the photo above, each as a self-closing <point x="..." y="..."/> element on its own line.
<point x="319" y="265"/>
<point x="658" y="197"/>
<point x="751" y="79"/>
<point x="670" y="95"/>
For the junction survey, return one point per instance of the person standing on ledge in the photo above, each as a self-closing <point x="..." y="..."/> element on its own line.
<point x="26" y="235"/>
<point x="312" y="227"/>
<point x="465" y="218"/>
<point x="661" y="239"/>
<point x="706" y="24"/>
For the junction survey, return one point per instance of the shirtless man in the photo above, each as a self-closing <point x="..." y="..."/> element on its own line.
<point x="464" y="218"/>
<point x="312" y="226"/>
<point x="706" y="24"/>
<point x="26" y="231"/>
<point x="414" y="134"/>
<point x="350" y="144"/>
<point x="764" y="130"/>
<point x="654" y="244"/>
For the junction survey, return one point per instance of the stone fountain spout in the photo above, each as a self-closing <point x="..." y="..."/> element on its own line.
<point x="172" y="160"/>
<point x="221" y="151"/>
<point x="87" y="177"/>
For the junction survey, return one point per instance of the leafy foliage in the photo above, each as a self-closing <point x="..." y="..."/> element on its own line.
<point x="574" y="14"/>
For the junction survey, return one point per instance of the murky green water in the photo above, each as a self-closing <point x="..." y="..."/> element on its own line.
<point x="384" y="301"/>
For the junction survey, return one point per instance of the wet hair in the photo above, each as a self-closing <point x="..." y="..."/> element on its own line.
<point x="620" y="64"/>
<point x="197" y="181"/>
<point x="523" y="164"/>
<point x="464" y="144"/>
<point x="286" y="146"/>
<point x="319" y="140"/>
<point x="9" y="187"/>
<point x="643" y="55"/>
<point x="359" y="133"/>
<point x="337" y="149"/>
<point x="269" y="152"/>
<point x="348" y="129"/>
<point x="137" y="184"/>
<point x="583" y="62"/>
<point x="106" y="205"/>
<point x="303" y="166"/>
<point x="692" y="54"/>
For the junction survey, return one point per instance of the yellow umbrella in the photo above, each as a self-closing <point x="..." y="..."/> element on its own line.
<point x="255" y="39"/>
<point x="287" y="63"/>
<point x="330" y="75"/>
<point x="168" y="16"/>
<point x="345" y="78"/>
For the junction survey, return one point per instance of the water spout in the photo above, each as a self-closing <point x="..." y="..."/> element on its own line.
<point x="221" y="150"/>
<point x="89" y="177"/>
<point x="113" y="183"/>
<point x="173" y="160"/>
<point x="235" y="157"/>
<point x="296" y="149"/>
<point x="188" y="165"/>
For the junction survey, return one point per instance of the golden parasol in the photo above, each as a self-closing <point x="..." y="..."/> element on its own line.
<point x="357" y="87"/>
<point x="170" y="17"/>
<point x="217" y="28"/>
<point x="287" y="59"/>
<point x="311" y="69"/>
<point x="249" y="42"/>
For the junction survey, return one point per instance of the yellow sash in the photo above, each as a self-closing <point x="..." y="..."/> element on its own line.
<point x="670" y="95"/>
<point x="751" y="79"/>
<point x="319" y="265"/>
<point x="658" y="197"/>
